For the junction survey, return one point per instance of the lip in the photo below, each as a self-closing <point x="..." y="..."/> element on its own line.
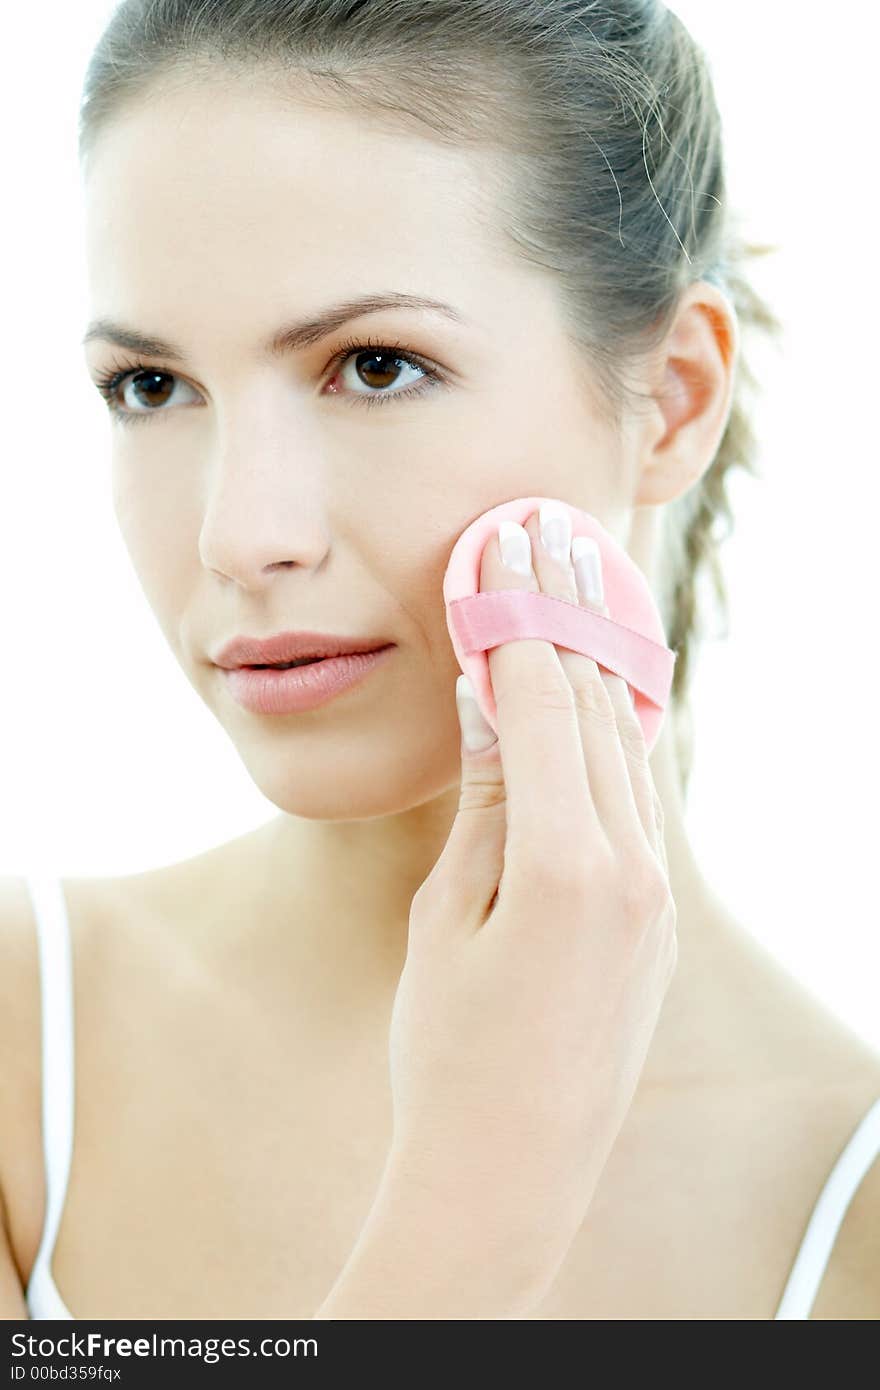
<point x="300" y="688"/>
<point x="291" y="646"/>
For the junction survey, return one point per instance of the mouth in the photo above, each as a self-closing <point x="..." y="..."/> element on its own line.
<point x="286" y="650"/>
<point x="297" y="685"/>
<point x="285" y="665"/>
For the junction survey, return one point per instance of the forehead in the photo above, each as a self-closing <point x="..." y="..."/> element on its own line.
<point x="224" y="189"/>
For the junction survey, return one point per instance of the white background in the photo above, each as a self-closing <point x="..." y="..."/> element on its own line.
<point x="110" y="761"/>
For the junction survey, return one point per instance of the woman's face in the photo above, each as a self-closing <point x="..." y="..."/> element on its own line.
<point x="313" y="489"/>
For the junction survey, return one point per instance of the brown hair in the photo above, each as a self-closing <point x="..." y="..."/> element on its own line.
<point x="612" y="179"/>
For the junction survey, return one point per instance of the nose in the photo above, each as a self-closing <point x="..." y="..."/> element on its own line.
<point x="262" y="515"/>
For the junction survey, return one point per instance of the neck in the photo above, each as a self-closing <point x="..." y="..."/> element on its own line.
<point x="360" y="877"/>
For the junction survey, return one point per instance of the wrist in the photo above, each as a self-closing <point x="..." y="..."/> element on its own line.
<point x="425" y="1253"/>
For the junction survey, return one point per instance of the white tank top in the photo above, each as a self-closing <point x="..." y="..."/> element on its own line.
<point x="56" y="983"/>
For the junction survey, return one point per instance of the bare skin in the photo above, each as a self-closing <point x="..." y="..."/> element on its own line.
<point x="230" y="1140"/>
<point x="232" y="1113"/>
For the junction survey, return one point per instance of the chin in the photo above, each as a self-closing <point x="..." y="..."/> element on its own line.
<point x="370" y="779"/>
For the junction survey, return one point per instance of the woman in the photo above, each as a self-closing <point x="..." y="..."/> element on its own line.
<point x="604" y="1100"/>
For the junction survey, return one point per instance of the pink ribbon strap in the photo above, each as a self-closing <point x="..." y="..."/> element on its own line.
<point x="487" y="619"/>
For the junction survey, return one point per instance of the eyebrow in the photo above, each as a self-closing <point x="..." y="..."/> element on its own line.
<point x="291" y="336"/>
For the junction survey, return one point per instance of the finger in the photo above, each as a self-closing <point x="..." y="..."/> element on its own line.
<point x="610" y="729"/>
<point x="660" y="828"/>
<point x="548" y="800"/>
<point x="632" y="738"/>
<point x="588" y="573"/>
<point x="463" y="884"/>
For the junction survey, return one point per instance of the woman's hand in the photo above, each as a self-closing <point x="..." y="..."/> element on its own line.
<point x="540" y="949"/>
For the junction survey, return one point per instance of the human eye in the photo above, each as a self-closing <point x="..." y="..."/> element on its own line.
<point x="372" y="358"/>
<point x="377" y="358"/>
<point x="143" y="378"/>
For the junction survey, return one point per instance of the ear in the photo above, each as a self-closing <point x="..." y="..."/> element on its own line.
<point x="691" y="379"/>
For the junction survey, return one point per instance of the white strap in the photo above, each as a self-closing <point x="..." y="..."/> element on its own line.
<point x="56" y="994"/>
<point x="828" y="1213"/>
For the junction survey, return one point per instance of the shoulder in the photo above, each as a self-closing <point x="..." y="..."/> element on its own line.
<point x="815" y="1081"/>
<point x="103" y="915"/>
<point x="841" y="1073"/>
<point x="20" y="1070"/>
<point x="19" y="996"/>
<point x="850" y="1288"/>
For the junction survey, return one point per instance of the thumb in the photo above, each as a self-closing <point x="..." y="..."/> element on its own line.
<point x="472" y="860"/>
<point x="476" y="734"/>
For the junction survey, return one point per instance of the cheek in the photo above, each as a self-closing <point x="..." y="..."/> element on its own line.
<point x="133" y="517"/>
<point x="157" y="533"/>
<point x="481" y="468"/>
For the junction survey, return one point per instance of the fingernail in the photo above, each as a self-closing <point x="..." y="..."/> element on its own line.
<point x="476" y="733"/>
<point x="587" y="568"/>
<point x="555" y="523"/>
<point x="516" y="547"/>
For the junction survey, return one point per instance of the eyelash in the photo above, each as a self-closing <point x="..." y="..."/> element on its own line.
<point x="109" y="382"/>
